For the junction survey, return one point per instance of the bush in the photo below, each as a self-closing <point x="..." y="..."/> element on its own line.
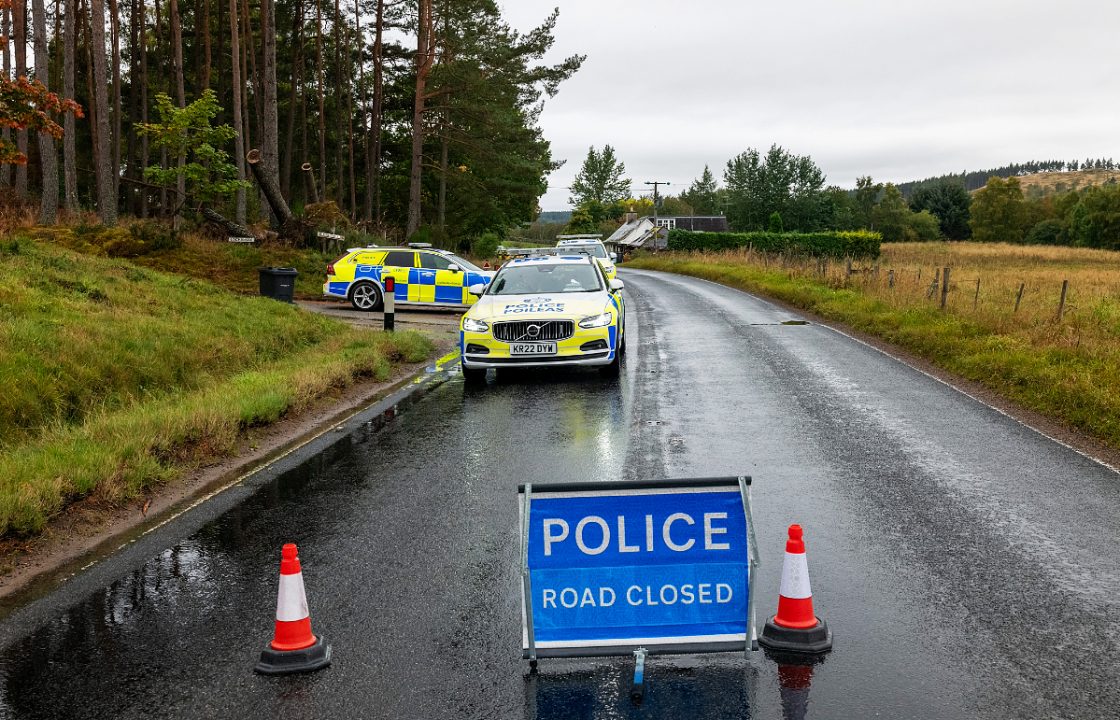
<point x="1047" y="232"/>
<point x="486" y="246"/>
<point x="923" y="227"/>
<point x="859" y="243"/>
<point x="155" y="235"/>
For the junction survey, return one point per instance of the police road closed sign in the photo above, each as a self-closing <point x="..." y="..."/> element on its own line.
<point x="608" y="568"/>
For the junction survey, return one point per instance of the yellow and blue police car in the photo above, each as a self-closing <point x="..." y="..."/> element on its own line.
<point x="545" y="310"/>
<point x="594" y="248"/>
<point x="422" y="275"/>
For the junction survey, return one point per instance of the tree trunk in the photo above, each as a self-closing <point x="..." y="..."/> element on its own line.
<point x="297" y="82"/>
<point x="6" y="132"/>
<point x="238" y="141"/>
<point x="132" y="170"/>
<point x="423" y="64"/>
<point x="115" y="41"/>
<point x="181" y="98"/>
<point x="269" y="187"/>
<point x="250" y="49"/>
<point x="106" y="185"/>
<point x="48" y="155"/>
<point x="442" y="214"/>
<point x="144" y="156"/>
<point x="270" y="139"/>
<point x="340" y="129"/>
<point x="19" y="28"/>
<point x="207" y="60"/>
<point x="378" y="98"/>
<point x="350" y="116"/>
<point x="235" y="229"/>
<point x="69" y="148"/>
<point x="160" y="64"/>
<point x="322" y="114"/>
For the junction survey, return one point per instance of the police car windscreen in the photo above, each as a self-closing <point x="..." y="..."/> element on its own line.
<point x="592" y="249"/>
<point x="525" y="279"/>
<point x="465" y="264"/>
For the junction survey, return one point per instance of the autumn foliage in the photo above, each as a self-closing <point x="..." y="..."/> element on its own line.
<point x="28" y="105"/>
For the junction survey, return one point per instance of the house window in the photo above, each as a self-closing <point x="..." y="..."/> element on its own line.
<point x="669" y="223"/>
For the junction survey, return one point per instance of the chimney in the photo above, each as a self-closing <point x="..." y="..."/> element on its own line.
<point x="631" y="216"/>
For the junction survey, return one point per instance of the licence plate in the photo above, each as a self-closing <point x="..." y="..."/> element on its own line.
<point x="532" y="349"/>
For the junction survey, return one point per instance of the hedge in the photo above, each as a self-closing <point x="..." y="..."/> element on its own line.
<point x="854" y="244"/>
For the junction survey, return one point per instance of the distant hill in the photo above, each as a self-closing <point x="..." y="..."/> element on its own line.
<point x="976" y="179"/>
<point x="1050" y="183"/>
<point x="555" y="216"/>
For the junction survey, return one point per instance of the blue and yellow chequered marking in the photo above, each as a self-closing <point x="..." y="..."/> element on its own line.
<point x="411" y="284"/>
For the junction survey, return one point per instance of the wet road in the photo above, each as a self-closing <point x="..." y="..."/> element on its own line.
<point x="969" y="567"/>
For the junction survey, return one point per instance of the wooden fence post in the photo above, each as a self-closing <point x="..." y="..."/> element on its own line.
<point x="890" y="279"/>
<point x="1019" y="297"/>
<point x="944" y="288"/>
<point x="1062" y="302"/>
<point x="976" y="299"/>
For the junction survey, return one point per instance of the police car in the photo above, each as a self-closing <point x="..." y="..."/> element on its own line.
<point x="592" y="247"/>
<point x="422" y="275"/>
<point x="545" y="310"/>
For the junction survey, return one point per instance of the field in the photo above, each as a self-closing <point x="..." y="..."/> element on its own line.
<point x="117" y="377"/>
<point x="1067" y="368"/>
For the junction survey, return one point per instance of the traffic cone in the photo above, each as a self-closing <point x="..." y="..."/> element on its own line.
<point x="293" y="648"/>
<point x="795" y="628"/>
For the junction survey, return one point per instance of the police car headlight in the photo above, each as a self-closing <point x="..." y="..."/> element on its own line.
<point x="596" y="321"/>
<point x="472" y="325"/>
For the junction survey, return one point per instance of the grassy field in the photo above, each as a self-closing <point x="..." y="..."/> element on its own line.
<point x="230" y="265"/>
<point x="116" y="376"/>
<point x="1067" y="369"/>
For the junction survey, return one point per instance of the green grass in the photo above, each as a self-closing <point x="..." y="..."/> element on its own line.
<point x="116" y="377"/>
<point x="1044" y="366"/>
<point x="229" y="265"/>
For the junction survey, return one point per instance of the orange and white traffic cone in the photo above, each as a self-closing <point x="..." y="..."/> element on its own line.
<point x="796" y="629"/>
<point x="293" y="648"/>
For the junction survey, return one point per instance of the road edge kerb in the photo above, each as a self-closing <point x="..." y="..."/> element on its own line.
<point x="1070" y="438"/>
<point x="240" y="482"/>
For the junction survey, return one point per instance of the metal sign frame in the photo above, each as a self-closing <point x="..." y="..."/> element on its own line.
<point x="532" y="652"/>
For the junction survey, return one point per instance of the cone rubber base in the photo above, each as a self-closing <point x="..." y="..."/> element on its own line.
<point x="309" y="659"/>
<point x="809" y="641"/>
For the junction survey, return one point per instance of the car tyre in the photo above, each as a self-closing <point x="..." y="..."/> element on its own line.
<point x="366" y="296"/>
<point x="474" y="376"/>
<point x="614" y="368"/>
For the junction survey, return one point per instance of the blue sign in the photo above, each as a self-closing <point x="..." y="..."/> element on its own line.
<point x="611" y="567"/>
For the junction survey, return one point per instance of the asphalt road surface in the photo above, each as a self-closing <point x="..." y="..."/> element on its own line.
<point x="968" y="566"/>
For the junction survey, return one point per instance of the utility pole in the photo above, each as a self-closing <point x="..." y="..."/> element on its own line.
<point x="655" y="185"/>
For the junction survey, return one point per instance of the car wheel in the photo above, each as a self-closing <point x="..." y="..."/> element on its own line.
<point x="474" y="376"/>
<point x="365" y="296"/>
<point x="614" y="368"/>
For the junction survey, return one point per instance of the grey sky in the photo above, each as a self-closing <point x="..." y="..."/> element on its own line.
<point x="898" y="89"/>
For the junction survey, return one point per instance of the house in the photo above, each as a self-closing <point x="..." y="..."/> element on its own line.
<point x="653" y="232"/>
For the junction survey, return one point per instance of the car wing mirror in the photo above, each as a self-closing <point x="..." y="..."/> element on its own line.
<point x="617" y="284"/>
<point x="476" y="289"/>
<point x="454" y="268"/>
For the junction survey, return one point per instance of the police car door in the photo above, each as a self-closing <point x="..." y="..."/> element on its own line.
<point x="439" y="283"/>
<point x="399" y="265"/>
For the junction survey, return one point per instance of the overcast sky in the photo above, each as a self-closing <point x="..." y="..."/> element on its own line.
<point x="895" y="89"/>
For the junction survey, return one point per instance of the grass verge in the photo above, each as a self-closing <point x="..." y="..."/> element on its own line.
<point x="1068" y="370"/>
<point x="117" y="378"/>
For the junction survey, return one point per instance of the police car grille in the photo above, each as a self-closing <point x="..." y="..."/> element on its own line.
<point x="520" y="331"/>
